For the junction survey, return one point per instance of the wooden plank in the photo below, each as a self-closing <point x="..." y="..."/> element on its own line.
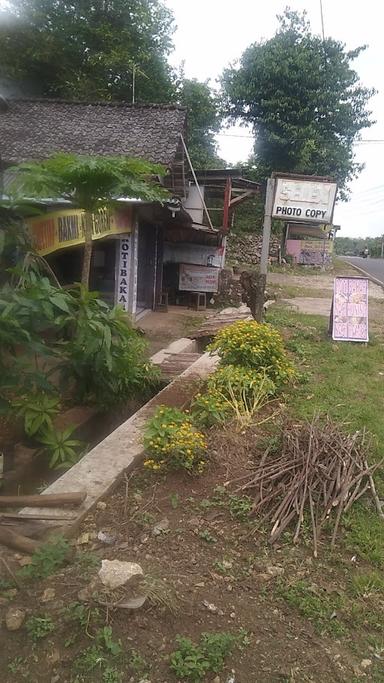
<point x="46" y="501"/>
<point x="17" y="541"/>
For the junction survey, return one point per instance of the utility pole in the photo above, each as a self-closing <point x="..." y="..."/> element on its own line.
<point x="382" y="246"/>
<point x="267" y="225"/>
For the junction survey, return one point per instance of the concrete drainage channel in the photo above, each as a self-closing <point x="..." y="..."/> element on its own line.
<point x="102" y="468"/>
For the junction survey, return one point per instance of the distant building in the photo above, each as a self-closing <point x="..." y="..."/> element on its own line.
<point x="144" y="249"/>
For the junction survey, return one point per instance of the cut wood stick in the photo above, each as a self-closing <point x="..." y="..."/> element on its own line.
<point x="17" y="541"/>
<point x="39" y="516"/>
<point x="43" y="501"/>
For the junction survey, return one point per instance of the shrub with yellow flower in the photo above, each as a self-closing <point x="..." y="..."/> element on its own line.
<point x="172" y="442"/>
<point x="253" y="345"/>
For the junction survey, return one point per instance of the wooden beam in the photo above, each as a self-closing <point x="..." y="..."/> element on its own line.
<point x="238" y="200"/>
<point x="43" y="501"/>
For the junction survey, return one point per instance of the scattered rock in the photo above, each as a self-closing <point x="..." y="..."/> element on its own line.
<point x="25" y="561"/>
<point x="275" y="571"/>
<point x="161" y="527"/>
<point x="86" y="537"/>
<point x="210" y="606"/>
<point x="217" y="679"/>
<point x="101" y="505"/>
<point x="132" y="603"/>
<point x="116" y="573"/>
<point x="48" y="595"/>
<point x="54" y="656"/>
<point x="14" y="618"/>
<point x="55" y="679"/>
<point x="365" y="663"/>
<point x="105" y="537"/>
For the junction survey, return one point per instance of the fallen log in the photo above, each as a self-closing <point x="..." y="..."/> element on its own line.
<point x="17" y="541"/>
<point x="43" y="501"/>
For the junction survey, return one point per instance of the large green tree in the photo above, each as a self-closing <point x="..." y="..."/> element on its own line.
<point x="204" y="120"/>
<point x="88" y="49"/>
<point x="303" y="99"/>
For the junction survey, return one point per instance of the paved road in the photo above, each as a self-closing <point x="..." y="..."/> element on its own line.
<point x="372" y="266"/>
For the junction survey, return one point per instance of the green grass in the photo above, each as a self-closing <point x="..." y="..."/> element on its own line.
<point x="343" y="377"/>
<point x="317" y="606"/>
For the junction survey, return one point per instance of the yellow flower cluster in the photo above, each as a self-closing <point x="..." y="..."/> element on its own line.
<point x="176" y="445"/>
<point x="254" y="345"/>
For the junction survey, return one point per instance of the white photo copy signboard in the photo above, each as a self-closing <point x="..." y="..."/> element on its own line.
<point x="306" y="200"/>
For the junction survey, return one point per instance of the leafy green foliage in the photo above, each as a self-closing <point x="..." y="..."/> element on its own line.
<point x="62" y="450"/>
<point x="105" y="638"/>
<point x="39" y="627"/>
<point x="89" y="182"/>
<point x="303" y="99"/>
<point x="171" y="441"/>
<point x="204" y="120"/>
<point x="257" y="346"/>
<point x="47" y="559"/>
<point x="104" y="356"/>
<point x="88" y="50"/>
<point x="38" y="410"/>
<point x="315" y="605"/>
<point x="192" y="662"/>
<point x="364" y="535"/>
<point x="209" y="408"/>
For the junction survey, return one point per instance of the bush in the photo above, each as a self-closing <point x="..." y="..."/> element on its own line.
<point x="172" y="442"/>
<point x="104" y="355"/>
<point x="193" y="661"/>
<point x="231" y="391"/>
<point x="238" y="380"/>
<point x="253" y="345"/>
<point x="210" y="409"/>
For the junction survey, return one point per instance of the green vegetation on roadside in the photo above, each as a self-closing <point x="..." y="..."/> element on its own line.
<point x="343" y="378"/>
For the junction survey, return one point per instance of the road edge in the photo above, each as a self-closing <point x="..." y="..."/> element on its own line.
<point x="368" y="275"/>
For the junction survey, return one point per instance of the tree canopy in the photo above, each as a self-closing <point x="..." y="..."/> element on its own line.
<point x="303" y="99"/>
<point x="204" y="120"/>
<point x="88" y="49"/>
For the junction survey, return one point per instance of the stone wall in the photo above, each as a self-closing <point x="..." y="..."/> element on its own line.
<point x="246" y="249"/>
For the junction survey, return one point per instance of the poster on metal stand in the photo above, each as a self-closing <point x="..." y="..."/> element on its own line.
<point x="349" y="313"/>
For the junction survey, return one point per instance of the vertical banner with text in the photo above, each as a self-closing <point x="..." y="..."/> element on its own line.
<point x="123" y="272"/>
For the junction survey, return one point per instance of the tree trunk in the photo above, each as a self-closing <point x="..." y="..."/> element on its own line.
<point x="253" y="285"/>
<point x="88" y="247"/>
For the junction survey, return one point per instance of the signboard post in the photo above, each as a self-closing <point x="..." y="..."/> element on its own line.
<point x="308" y="199"/>
<point x="350" y="309"/>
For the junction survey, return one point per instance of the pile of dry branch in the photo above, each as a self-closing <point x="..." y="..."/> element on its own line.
<point x="320" y="470"/>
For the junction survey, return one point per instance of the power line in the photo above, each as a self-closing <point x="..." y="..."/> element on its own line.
<point x="252" y="137"/>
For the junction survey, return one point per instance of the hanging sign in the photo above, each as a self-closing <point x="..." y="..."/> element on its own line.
<point x="198" y="278"/>
<point x="122" y="280"/>
<point x="306" y="200"/>
<point x="350" y="309"/>
<point x="60" y="229"/>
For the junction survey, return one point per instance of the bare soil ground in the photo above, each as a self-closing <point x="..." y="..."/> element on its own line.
<point x="216" y="573"/>
<point x="161" y="329"/>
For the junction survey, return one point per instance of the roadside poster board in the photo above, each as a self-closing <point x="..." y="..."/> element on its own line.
<point x="198" y="278"/>
<point x="305" y="200"/>
<point x="350" y="309"/>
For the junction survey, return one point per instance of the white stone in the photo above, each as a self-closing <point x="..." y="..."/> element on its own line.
<point x="14" y="618"/>
<point x="116" y="573"/>
<point x="365" y="663"/>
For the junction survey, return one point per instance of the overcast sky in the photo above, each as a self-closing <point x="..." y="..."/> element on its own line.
<point x="212" y="33"/>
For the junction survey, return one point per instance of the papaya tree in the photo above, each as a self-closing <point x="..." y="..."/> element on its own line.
<point x="89" y="183"/>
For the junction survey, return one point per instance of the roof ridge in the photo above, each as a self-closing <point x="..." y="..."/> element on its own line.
<point x="99" y="103"/>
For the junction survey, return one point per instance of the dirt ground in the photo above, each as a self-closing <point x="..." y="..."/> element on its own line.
<point x="161" y="329"/>
<point x="215" y="573"/>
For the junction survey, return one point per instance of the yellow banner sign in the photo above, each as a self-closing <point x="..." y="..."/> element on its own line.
<point x="61" y="229"/>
